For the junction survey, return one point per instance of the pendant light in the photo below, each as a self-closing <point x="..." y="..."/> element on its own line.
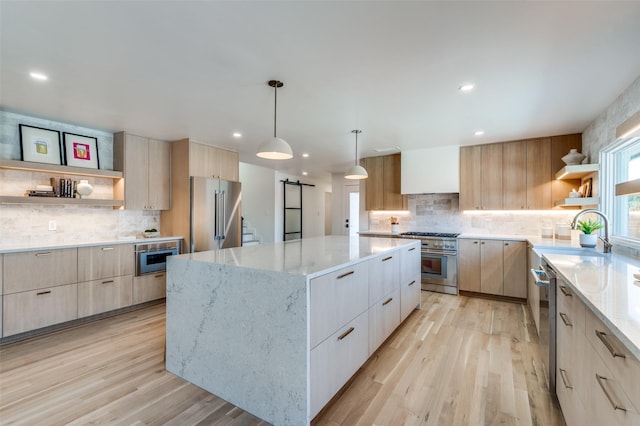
<point x="275" y="148"/>
<point x="356" y="171"/>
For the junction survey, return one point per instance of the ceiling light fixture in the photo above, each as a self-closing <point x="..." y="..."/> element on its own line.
<point x="305" y="155"/>
<point x="237" y="135"/>
<point x="466" y="87"/>
<point x="304" y="173"/>
<point x="356" y="171"/>
<point x="479" y="132"/>
<point x="275" y="148"/>
<point x="38" y="76"/>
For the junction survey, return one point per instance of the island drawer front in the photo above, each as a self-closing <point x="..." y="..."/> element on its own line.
<point x="95" y="263"/>
<point x="39" y="269"/>
<point x="384" y="318"/>
<point x="410" y="294"/>
<point x="625" y="367"/>
<point x="30" y="310"/>
<point x="384" y="275"/>
<point x="95" y="297"/>
<point x="409" y="264"/>
<point x="335" y="360"/>
<point x="335" y="299"/>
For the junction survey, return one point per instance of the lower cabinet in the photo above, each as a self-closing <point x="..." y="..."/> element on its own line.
<point x="410" y="289"/>
<point x="29" y="310"/>
<point x="597" y="378"/>
<point x="336" y="359"/>
<point x="493" y="267"/>
<point x="149" y="287"/>
<point x="384" y="317"/>
<point x="95" y="297"/>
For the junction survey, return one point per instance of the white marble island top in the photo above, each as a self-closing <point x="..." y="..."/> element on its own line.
<point x="308" y="256"/>
<point x="605" y="283"/>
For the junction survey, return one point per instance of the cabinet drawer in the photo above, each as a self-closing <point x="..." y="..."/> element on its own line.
<point x="336" y="299"/>
<point x="149" y="287"/>
<point x="409" y="296"/>
<point x="39" y="269"/>
<point x="571" y="305"/>
<point x="30" y="310"/>
<point x="95" y="297"/>
<point x="335" y="360"/>
<point x="624" y="366"/>
<point x="100" y="262"/>
<point x="567" y="389"/>
<point x="384" y="318"/>
<point x="383" y="275"/>
<point x="409" y="263"/>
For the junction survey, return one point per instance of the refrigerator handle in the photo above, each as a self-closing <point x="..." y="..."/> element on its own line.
<point x="216" y="219"/>
<point x="224" y="215"/>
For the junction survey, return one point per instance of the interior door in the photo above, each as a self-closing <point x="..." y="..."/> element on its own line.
<point x="351" y="210"/>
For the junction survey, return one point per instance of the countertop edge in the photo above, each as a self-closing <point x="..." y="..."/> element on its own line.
<point x="55" y="246"/>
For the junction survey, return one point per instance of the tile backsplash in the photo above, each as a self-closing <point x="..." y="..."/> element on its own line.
<point x="440" y="213"/>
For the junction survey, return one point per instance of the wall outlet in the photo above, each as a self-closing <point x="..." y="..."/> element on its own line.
<point x="52" y="225"/>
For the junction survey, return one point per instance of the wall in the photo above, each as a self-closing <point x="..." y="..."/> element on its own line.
<point x="28" y="224"/>
<point x="258" y="201"/>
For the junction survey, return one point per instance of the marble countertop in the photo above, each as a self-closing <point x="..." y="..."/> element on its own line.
<point x="379" y="234"/>
<point x="15" y="248"/>
<point x="308" y="256"/>
<point x="605" y="283"/>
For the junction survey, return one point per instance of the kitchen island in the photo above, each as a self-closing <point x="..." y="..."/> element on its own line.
<point x="277" y="329"/>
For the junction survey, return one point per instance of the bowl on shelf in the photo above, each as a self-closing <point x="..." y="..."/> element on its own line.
<point x="151" y="234"/>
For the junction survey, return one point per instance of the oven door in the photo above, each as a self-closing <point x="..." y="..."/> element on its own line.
<point x="153" y="261"/>
<point x="438" y="268"/>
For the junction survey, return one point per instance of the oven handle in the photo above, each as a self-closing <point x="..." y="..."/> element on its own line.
<point x="444" y="253"/>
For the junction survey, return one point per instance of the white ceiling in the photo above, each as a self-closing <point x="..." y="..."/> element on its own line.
<point x="199" y="69"/>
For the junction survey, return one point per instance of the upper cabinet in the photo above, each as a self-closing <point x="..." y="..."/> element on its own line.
<point x="208" y="161"/>
<point x="146" y="164"/>
<point x="517" y="175"/>
<point x="382" y="187"/>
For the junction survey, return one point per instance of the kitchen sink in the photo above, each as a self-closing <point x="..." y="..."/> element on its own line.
<point x="570" y="251"/>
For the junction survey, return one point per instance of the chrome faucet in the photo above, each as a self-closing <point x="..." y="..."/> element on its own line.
<point x="605" y="240"/>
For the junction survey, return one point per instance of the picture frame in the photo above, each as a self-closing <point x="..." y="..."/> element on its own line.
<point x="81" y="151"/>
<point x="40" y="145"/>
<point x="587" y="187"/>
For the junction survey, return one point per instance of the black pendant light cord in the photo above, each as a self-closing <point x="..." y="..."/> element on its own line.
<point x="275" y="109"/>
<point x="356" y="160"/>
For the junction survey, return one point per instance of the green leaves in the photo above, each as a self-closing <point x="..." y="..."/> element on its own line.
<point x="588" y="226"/>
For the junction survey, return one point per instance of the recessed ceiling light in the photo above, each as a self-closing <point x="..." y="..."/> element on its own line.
<point x="304" y="173"/>
<point x="466" y="87"/>
<point x="237" y="135"/>
<point x="38" y="76"/>
<point x="305" y="155"/>
<point x="479" y="132"/>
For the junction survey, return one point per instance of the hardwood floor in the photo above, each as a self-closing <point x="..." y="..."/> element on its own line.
<point x="457" y="361"/>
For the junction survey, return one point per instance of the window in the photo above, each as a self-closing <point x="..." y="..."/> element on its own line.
<point x="621" y="163"/>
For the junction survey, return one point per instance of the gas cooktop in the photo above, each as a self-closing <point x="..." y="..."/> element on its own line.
<point x="430" y="234"/>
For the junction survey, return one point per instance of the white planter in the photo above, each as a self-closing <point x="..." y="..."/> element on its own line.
<point x="84" y="188"/>
<point x="395" y="228"/>
<point x="588" y="240"/>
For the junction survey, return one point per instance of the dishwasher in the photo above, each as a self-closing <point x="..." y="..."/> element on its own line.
<point x="545" y="278"/>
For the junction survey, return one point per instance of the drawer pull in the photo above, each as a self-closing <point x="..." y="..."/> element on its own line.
<point x="44" y="253"/>
<point x="158" y="276"/>
<point x="565" y="381"/>
<point x="107" y="282"/>
<point x="411" y="249"/>
<point x="605" y="341"/>
<point x="346" y="274"/>
<point x="387" y="258"/>
<point x="565" y="319"/>
<point x="564" y="291"/>
<point x="40" y="293"/>
<point x="615" y="405"/>
<point x="386" y="302"/>
<point x="412" y="282"/>
<point x="107" y="248"/>
<point x="346" y="333"/>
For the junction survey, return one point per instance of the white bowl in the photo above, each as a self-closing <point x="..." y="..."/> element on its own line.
<point x="150" y="234"/>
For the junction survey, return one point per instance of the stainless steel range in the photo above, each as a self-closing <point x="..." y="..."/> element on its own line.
<point x="439" y="260"/>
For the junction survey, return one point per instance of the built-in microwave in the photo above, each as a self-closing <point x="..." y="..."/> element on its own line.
<point x="152" y="257"/>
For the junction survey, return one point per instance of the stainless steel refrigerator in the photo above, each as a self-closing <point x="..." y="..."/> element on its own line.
<point x="215" y="218"/>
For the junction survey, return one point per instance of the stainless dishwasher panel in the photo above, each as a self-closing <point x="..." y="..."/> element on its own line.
<point x="548" y="324"/>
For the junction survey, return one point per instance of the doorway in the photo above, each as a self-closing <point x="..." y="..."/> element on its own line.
<point x="351" y="210"/>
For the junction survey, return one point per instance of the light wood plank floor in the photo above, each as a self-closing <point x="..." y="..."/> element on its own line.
<point x="457" y="361"/>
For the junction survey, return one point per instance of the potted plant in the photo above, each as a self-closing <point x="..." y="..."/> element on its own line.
<point x="587" y="239"/>
<point x="395" y="225"/>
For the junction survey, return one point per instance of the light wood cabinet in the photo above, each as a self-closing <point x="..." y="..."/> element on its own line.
<point x="95" y="297"/>
<point x="493" y="267"/>
<point x="189" y="158"/>
<point x="471" y="177"/>
<point x="149" y="287"/>
<point x="336" y="299"/>
<point x="33" y="309"/>
<point x="146" y="164"/>
<point x="39" y="269"/>
<point x="539" y="174"/>
<point x="409" y="281"/>
<point x="514" y="175"/>
<point x="491" y="177"/>
<point x="382" y="187"/>
<point x="107" y="261"/>
<point x="336" y="359"/>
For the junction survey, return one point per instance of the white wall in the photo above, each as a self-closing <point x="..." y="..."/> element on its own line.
<point x="258" y="201"/>
<point x="430" y="170"/>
